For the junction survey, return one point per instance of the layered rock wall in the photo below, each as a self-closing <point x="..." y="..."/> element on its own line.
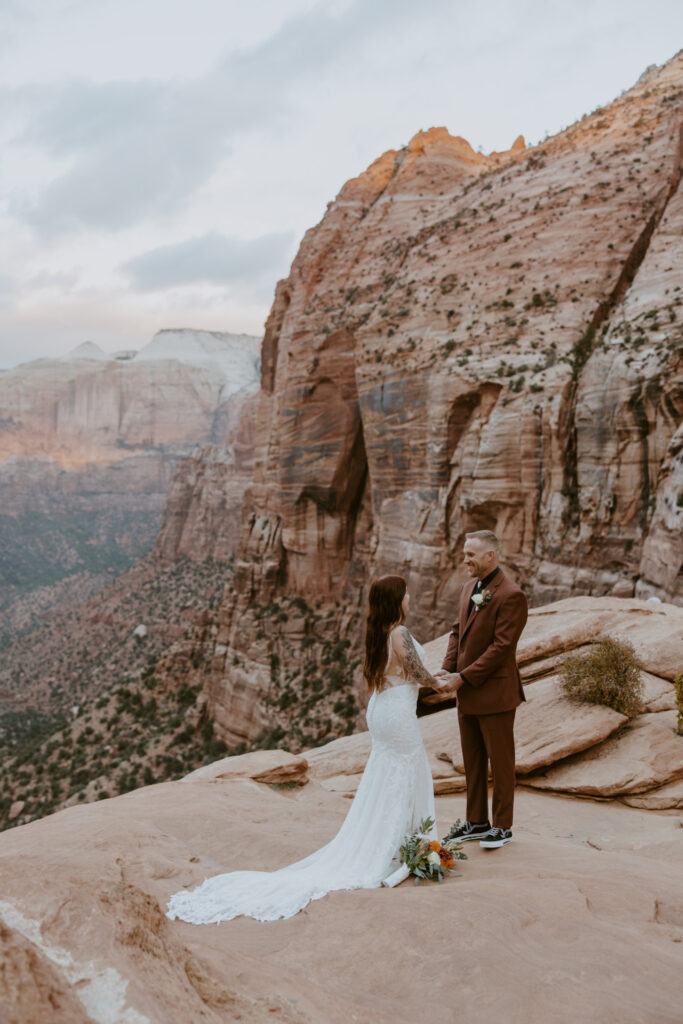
<point x="466" y="342"/>
<point x="203" y="509"/>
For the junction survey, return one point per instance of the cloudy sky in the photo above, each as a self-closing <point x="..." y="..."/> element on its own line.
<point x="161" y="159"/>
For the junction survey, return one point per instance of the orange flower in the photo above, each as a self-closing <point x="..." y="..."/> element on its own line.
<point x="449" y="864"/>
<point x="435" y="846"/>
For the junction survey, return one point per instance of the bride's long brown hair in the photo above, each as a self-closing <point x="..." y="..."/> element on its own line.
<point x="384" y="612"/>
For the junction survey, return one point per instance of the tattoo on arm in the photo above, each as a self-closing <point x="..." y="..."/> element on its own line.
<point x="413" y="666"/>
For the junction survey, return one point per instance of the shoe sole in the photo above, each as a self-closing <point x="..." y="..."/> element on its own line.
<point x="494" y="844"/>
<point x="464" y="839"/>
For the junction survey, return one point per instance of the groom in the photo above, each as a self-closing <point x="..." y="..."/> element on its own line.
<point x="480" y="666"/>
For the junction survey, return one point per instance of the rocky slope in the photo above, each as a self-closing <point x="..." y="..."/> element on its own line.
<point x="88" y="448"/>
<point x="78" y="652"/>
<point x="85" y="710"/>
<point x="467" y="341"/>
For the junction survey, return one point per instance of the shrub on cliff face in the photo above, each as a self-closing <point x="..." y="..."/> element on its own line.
<point x="607" y="674"/>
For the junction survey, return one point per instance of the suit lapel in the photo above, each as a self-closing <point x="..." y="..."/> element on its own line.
<point x="468" y="615"/>
<point x="492" y="587"/>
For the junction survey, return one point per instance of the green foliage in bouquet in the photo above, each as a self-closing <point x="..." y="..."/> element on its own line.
<point x="608" y="674"/>
<point x="678" y="683"/>
<point x="428" y="859"/>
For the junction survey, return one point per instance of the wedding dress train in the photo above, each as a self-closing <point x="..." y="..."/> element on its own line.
<point x="395" y="793"/>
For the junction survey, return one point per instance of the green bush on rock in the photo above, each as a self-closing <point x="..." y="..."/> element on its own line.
<point x="607" y="674"/>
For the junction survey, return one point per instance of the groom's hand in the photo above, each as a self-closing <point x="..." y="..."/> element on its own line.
<point x="452" y="681"/>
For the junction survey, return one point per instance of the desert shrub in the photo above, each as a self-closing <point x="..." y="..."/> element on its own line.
<point x="185" y="735"/>
<point x="678" y="683"/>
<point x="607" y="674"/>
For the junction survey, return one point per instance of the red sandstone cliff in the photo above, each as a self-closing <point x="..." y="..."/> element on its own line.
<point x="463" y="342"/>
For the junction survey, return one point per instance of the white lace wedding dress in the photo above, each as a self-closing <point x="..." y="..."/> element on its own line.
<point x="395" y="793"/>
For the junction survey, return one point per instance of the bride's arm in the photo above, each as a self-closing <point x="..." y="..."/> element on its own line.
<point x="411" y="661"/>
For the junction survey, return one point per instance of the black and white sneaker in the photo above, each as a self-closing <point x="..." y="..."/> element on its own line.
<point x="496" y="837"/>
<point x="461" y="833"/>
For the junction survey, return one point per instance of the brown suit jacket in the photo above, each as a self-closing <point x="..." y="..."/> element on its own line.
<point x="483" y="645"/>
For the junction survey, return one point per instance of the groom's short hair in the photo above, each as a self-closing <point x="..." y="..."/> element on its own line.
<point x="487" y="537"/>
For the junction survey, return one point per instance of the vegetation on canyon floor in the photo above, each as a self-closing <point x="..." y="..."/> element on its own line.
<point x="138" y="733"/>
<point x="100" y="738"/>
<point x="74" y="654"/>
<point x="41" y="550"/>
<point x="154" y="729"/>
<point x="313" y="699"/>
<point x="108" y="723"/>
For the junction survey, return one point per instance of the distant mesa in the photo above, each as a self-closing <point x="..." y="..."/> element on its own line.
<point x="235" y="356"/>
<point x="87" y="350"/>
<point x="89" y="443"/>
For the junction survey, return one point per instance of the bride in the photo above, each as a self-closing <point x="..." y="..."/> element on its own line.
<point x="395" y="792"/>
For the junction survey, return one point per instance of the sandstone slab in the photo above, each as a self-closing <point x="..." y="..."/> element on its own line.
<point x="435" y="652"/>
<point x="274" y="767"/>
<point x="530" y="671"/>
<point x="658" y="694"/>
<point x="646" y="756"/>
<point x="445" y="781"/>
<point x="344" y="785"/>
<point x="441" y="736"/>
<point x="449" y="784"/>
<point x="346" y="756"/>
<point x="548" y="727"/>
<point x="108" y="868"/>
<point x="655" y="630"/>
<point x="663" y="799"/>
<point x="32" y="988"/>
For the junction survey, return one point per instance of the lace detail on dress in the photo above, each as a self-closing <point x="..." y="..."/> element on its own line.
<point x="398" y="672"/>
<point x="394" y="795"/>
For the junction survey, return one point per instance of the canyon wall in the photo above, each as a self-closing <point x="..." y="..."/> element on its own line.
<point x="203" y="508"/>
<point x="464" y="341"/>
<point x="89" y="444"/>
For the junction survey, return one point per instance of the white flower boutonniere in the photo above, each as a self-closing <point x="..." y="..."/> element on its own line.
<point x="481" y="600"/>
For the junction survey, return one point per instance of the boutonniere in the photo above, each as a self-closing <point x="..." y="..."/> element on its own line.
<point x="481" y="600"/>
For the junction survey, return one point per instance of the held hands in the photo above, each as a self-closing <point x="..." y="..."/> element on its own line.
<point x="450" y="681"/>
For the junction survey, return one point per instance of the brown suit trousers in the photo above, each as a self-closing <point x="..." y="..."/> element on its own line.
<point x="484" y="738"/>
<point x="483" y="646"/>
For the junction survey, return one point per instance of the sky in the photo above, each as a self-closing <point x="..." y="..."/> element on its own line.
<point x="161" y="159"/>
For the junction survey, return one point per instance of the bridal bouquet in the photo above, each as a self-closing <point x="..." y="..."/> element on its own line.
<point x="428" y="859"/>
